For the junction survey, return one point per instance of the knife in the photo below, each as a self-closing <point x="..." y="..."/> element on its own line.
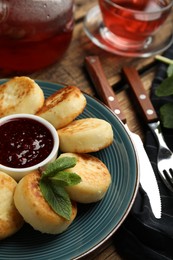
<point x="105" y="92"/>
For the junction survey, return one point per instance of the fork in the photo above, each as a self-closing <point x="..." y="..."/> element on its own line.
<point x="165" y="155"/>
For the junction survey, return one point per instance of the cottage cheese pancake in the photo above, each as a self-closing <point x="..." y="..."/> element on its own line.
<point x="95" y="176"/>
<point x="20" y="95"/>
<point x="85" y="135"/>
<point x="62" y="107"/>
<point x="34" y="208"/>
<point x="10" y="219"/>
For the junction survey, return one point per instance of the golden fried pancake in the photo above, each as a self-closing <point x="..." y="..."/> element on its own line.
<point x="10" y="219"/>
<point x="63" y="106"/>
<point x="20" y="95"/>
<point x="95" y="176"/>
<point x="85" y="135"/>
<point x="35" y="210"/>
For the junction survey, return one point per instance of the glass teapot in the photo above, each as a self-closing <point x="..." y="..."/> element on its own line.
<point x="33" y="33"/>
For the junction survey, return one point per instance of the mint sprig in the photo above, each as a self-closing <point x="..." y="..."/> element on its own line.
<point x="57" y="198"/>
<point x="53" y="182"/>
<point x="59" y="164"/>
<point x="166" y="89"/>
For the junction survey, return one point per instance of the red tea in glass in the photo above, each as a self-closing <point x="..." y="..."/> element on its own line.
<point x="33" y="33"/>
<point x="134" y="20"/>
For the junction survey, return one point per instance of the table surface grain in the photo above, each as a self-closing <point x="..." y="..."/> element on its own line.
<point x="71" y="70"/>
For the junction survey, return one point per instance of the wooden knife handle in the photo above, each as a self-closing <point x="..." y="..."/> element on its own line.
<point x="140" y="94"/>
<point x="104" y="90"/>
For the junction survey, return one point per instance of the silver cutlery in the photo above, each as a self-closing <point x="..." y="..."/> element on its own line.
<point x="105" y="92"/>
<point x="165" y="155"/>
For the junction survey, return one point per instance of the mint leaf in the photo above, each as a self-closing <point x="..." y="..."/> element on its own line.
<point x="65" y="178"/>
<point x="53" y="182"/>
<point x="167" y="115"/>
<point x="59" y="164"/>
<point x="57" y="198"/>
<point x="170" y="70"/>
<point x="165" y="88"/>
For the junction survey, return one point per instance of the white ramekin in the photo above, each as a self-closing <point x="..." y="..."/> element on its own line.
<point x="18" y="173"/>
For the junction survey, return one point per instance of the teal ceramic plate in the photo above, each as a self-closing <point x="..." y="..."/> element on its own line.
<point x="95" y="222"/>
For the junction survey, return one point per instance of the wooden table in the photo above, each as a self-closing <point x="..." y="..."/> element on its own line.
<point x="70" y="70"/>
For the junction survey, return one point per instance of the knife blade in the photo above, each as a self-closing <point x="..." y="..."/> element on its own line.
<point x="106" y="93"/>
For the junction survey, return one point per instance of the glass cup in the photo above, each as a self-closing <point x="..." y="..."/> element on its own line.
<point x="130" y="24"/>
<point x="33" y="33"/>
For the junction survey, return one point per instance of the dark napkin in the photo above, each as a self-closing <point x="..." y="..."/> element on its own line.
<point x="142" y="236"/>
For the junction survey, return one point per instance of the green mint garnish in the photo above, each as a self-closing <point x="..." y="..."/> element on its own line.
<point x="166" y="89"/>
<point x="59" y="165"/>
<point x="167" y="115"/>
<point x="57" y="198"/>
<point x="66" y="178"/>
<point x="53" y="182"/>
